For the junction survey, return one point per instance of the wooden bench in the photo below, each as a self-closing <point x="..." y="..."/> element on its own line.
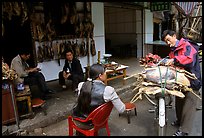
<point x="25" y="95"/>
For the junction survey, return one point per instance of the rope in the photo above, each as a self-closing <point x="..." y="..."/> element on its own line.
<point x="163" y="86"/>
<point x="176" y="74"/>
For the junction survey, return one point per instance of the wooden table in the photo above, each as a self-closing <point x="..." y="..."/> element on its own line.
<point x="119" y="72"/>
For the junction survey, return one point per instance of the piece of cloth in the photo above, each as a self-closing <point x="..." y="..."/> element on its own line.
<point x="37" y="78"/>
<point x="185" y="7"/>
<point x="185" y="110"/>
<point x="75" y="78"/>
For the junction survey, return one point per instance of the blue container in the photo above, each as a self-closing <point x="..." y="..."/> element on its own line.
<point x="20" y="87"/>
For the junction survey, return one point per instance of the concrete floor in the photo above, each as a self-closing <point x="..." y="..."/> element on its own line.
<point x="55" y="123"/>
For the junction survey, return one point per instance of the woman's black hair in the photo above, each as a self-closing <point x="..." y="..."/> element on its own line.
<point x="84" y="99"/>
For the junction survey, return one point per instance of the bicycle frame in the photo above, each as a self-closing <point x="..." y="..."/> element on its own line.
<point x="162" y="116"/>
<point x="160" y="112"/>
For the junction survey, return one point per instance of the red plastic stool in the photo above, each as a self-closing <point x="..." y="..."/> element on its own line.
<point x="37" y="102"/>
<point x="130" y="107"/>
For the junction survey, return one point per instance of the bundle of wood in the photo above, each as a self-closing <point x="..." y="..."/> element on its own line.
<point x="158" y="78"/>
<point x="8" y="73"/>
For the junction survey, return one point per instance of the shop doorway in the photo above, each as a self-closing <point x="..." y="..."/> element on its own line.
<point x="123" y="30"/>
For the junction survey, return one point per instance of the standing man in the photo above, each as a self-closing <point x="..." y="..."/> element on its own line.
<point x="72" y="70"/>
<point x="183" y="54"/>
<point x="29" y="76"/>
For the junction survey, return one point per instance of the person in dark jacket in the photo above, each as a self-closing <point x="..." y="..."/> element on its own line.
<point x="72" y="70"/>
<point x="184" y="55"/>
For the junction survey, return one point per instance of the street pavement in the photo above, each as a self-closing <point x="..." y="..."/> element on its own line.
<point x="59" y="106"/>
<point x="140" y="125"/>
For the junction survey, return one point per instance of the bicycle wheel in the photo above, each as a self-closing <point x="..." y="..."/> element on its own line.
<point x="161" y="117"/>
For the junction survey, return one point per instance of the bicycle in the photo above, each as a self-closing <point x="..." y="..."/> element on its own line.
<point x="163" y="101"/>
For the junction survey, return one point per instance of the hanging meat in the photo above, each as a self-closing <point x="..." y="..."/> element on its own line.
<point x="87" y="47"/>
<point x="2" y="26"/>
<point x="37" y="21"/>
<point x="24" y="15"/>
<point x="50" y="31"/>
<point x="7" y="10"/>
<point x="79" y="6"/>
<point x="88" y="6"/>
<point x="46" y="52"/>
<point x="16" y="8"/>
<point x="69" y="46"/>
<point x="62" y="50"/>
<point x="82" y="48"/>
<point x="40" y="54"/>
<point x="79" y="28"/>
<point x="75" y="48"/>
<point x="50" y="52"/>
<point x="55" y="49"/>
<point x="58" y="52"/>
<point x="73" y="15"/>
<point x="65" y="13"/>
<point x="93" y="48"/>
<point x="88" y="28"/>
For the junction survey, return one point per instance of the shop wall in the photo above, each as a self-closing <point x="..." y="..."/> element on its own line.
<point x="120" y="26"/>
<point x="139" y="31"/>
<point x="148" y="31"/>
<point x="99" y="31"/>
<point x="50" y="69"/>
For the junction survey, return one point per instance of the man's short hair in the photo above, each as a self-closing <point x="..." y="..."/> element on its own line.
<point x="168" y="32"/>
<point x="24" y="51"/>
<point x="69" y="50"/>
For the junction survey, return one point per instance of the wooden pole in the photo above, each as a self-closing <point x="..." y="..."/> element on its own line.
<point x="99" y="55"/>
<point x="88" y="56"/>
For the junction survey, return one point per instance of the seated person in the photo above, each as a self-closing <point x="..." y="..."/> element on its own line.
<point x="72" y="70"/>
<point x="29" y="76"/>
<point x="93" y="93"/>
